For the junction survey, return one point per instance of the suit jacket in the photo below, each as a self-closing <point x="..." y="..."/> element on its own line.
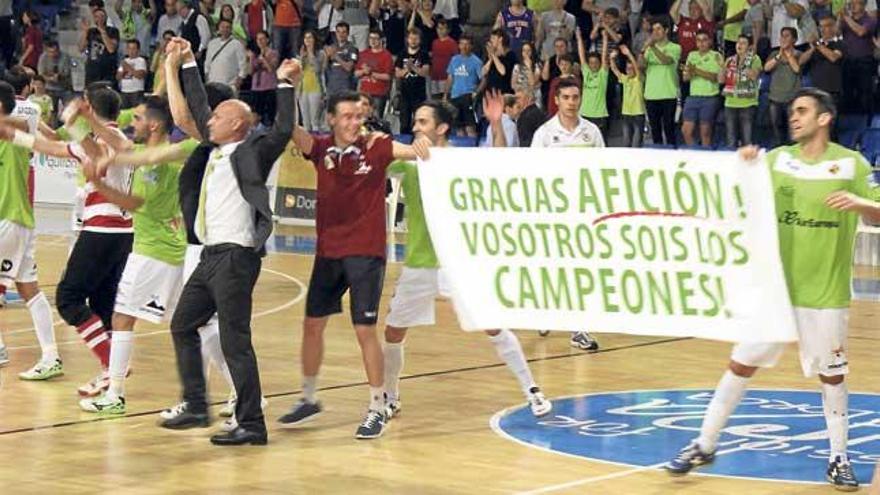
<point x="251" y="161"/>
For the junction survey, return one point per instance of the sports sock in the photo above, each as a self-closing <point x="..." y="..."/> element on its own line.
<point x="120" y="355"/>
<point x="393" y="367"/>
<point x="377" y="398"/>
<point x="510" y="351"/>
<point x="41" y="314"/>
<point x="728" y="395"/>
<point x="213" y="351"/>
<point x="835" y="399"/>
<point x="95" y="336"/>
<point x="310" y="389"/>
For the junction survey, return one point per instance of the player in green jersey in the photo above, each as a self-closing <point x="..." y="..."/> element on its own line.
<point x="821" y="188"/>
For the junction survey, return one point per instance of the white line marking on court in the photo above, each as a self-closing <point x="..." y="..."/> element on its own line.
<point x="299" y="297"/>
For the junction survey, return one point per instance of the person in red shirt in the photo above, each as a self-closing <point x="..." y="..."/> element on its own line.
<point x="699" y="18"/>
<point x="350" y="255"/>
<point x="373" y="70"/>
<point x="287" y="31"/>
<point x="566" y="67"/>
<point x="442" y="50"/>
<point x="33" y="39"/>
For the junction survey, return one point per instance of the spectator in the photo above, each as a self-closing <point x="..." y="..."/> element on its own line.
<point x="518" y="21"/>
<point x="740" y="83"/>
<point x="157" y="65"/>
<point x="170" y="20"/>
<point x="228" y="13"/>
<point x="136" y="22"/>
<point x="527" y="73"/>
<point x="99" y="44"/>
<point x="131" y="75"/>
<point x="32" y="43"/>
<point x="594" y="72"/>
<point x="311" y="90"/>
<point x="551" y="71"/>
<point x="531" y="118"/>
<point x="442" y="51"/>
<point x="54" y="66"/>
<point x="597" y="9"/>
<point x="698" y="19"/>
<point x="287" y="28"/>
<point x="263" y="62"/>
<point x="412" y="69"/>
<point x="701" y="69"/>
<point x="226" y="61"/>
<point x="498" y="70"/>
<point x="7" y="38"/>
<point x="824" y="59"/>
<point x="425" y="21"/>
<point x="754" y="26"/>
<point x="735" y="12"/>
<point x="356" y="14"/>
<point x="660" y="60"/>
<point x="463" y="79"/>
<point x="642" y="36"/>
<point x="481" y="17"/>
<point x="633" y="108"/>
<point x="555" y="24"/>
<point x="448" y="9"/>
<point x="194" y="28"/>
<point x="372" y="121"/>
<point x="374" y="70"/>
<point x="329" y="16"/>
<point x="859" y="67"/>
<point x="618" y="33"/>
<point x="508" y="124"/>
<point x="341" y="59"/>
<point x="785" y="80"/>
<point x="42" y="100"/>
<point x="566" y="71"/>
<point x="257" y="16"/>
<point x="393" y="20"/>
<point x="786" y="13"/>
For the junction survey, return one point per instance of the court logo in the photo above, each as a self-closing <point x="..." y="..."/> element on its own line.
<point x="773" y="434"/>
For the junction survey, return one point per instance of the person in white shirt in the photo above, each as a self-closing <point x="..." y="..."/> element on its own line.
<point x="131" y="75"/>
<point x="170" y="20"/>
<point x="786" y="14"/>
<point x="226" y="60"/>
<point x="512" y="110"/>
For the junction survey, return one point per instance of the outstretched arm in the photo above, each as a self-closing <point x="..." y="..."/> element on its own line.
<point x="176" y="100"/>
<point x="194" y="88"/>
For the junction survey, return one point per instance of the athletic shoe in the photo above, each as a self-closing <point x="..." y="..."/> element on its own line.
<point x="228" y="409"/>
<point x="689" y="458"/>
<point x="538" y="403"/>
<point x="180" y="417"/>
<point x="173" y="411"/>
<point x="584" y="341"/>
<point x="43" y="371"/>
<point x="302" y="412"/>
<point x="372" y="427"/>
<point x="229" y="425"/>
<point x="840" y="474"/>
<point x="4" y="356"/>
<point x="103" y="405"/>
<point x="96" y="386"/>
<point x="543" y="333"/>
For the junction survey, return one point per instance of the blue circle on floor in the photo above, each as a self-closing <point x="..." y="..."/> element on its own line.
<point x="773" y="434"/>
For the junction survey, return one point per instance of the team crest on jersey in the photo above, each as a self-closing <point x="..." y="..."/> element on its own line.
<point x="151" y="177"/>
<point x="834" y="169"/>
<point x="363" y="168"/>
<point x="773" y="434"/>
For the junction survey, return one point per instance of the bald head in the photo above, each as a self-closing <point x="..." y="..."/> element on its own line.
<point x="230" y="122"/>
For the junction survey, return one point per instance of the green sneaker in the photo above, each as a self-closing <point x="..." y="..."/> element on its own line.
<point x="104" y="405"/>
<point x="43" y="371"/>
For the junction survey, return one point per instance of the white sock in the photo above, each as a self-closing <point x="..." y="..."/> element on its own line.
<point x="393" y="367"/>
<point x="377" y="398"/>
<point x="41" y="314"/>
<point x="1" y="340"/>
<point x="728" y="395"/>
<point x="212" y="351"/>
<point x="310" y="389"/>
<point x="120" y="355"/>
<point x="835" y="402"/>
<point x="510" y="351"/>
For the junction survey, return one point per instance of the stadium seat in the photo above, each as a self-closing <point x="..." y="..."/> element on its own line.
<point x="463" y="141"/>
<point x="852" y="122"/>
<point x="870" y="145"/>
<point x="875" y="122"/>
<point x="848" y="137"/>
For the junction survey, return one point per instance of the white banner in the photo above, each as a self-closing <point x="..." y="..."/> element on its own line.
<point x="609" y="240"/>
<point x="54" y="179"/>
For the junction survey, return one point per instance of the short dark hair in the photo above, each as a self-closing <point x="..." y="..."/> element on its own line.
<point x="7" y="98"/>
<point x="793" y="31"/>
<point x="104" y="100"/>
<point x="565" y="57"/>
<point x="218" y="93"/>
<point x="96" y="3"/>
<point x="444" y="113"/>
<point x="505" y="39"/>
<point x="612" y="11"/>
<point x="442" y="22"/>
<point x="824" y="100"/>
<point x="135" y="41"/>
<point x="343" y="24"/>
<point x="661" y="20"/>
<point x="594" y="55"/>
<point x="343" y="97"/>
<point x="222" y="20"/>
<point x="38" y="77"/>
<point x="101" y="8"/>
<point x="51" y="44"/>
<point x="376" y="31"/>
<point x="18" y="78"/>
<point x="745" y="37"/>
<point x="157" y="109"/>
<point x="169" y="31"/>
<point x="703" y="32"/>
<point x="568" y="82"/>
<point x="415" y="31"/>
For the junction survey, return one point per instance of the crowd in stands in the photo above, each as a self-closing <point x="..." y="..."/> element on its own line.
<point x="692" y="72"/>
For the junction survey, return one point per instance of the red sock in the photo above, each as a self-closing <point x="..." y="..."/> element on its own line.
<point x="94" y="335"/>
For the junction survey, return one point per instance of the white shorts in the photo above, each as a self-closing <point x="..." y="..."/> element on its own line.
<point x="149" y="289"/>
<point x="17" y="246"/>
<point x="414" y="296"/>
<point x="822" y="344"/>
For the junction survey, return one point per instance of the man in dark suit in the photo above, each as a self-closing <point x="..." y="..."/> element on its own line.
<point x="223" y="196"/>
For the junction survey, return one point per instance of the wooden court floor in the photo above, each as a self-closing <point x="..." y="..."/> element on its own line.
<point x="441" y="444"/>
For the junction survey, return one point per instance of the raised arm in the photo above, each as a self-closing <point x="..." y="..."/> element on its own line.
<point x="273" y="144"/>
<point x="176" y="101"/>
<point x="194" y="89"/>
<point x="493" y="109"/>
<point x="675" y="12"/>
<point x="582" y="50"/>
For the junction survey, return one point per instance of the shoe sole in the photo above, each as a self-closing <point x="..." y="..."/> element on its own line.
<point x="678" y="474"/>
<point x="541" y="415"/>
<point x="841" y="488"/>
<point x="184" y="427"/>
<point x="371" y="437"/>
<point x="583" y="348"/>
<point x="307" y="419"/>
<point x="252" y="442"/>
<point x="40" y="378"/>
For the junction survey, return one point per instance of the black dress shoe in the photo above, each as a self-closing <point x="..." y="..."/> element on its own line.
<point x="239" y="436"/>
<point x="186" y="420"/>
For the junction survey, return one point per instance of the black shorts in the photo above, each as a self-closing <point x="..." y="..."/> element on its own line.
<point x="331" y="278"/>
<point x="464" y="106"/>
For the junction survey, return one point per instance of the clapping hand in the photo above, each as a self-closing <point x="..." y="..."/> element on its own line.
<point x="290" y="70"/>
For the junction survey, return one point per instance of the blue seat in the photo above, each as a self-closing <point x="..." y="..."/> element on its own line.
<point x="853" y="122"/>
<point x="463" y="141"/>
<point x="658" y="146"/>
<point x="875" y="122"/>
<point x="848" y="137"/>
<point x="404" y="138"/>
<point x="870" y="145"/>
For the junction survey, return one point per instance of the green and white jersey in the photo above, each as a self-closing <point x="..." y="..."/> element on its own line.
<point x="419" y="247"/>
<point x="159" y="232"/>
<point x="816" y="242"/>
<point x="15" y="204"/>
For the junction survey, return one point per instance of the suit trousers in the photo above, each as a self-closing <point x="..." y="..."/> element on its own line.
<point x="223" y="282"/>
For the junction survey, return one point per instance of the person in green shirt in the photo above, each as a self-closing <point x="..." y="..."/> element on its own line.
<point x="633" y="109"/>
<point x="740" y="82"/>
<point x="594" y="71"/>
<point x="659" y="58"/>
<point x="821" y="189"/>
<point x="418" y="285"/>
<point x="701" y="70"/>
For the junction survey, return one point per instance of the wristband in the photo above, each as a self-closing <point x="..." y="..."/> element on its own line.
<point x="23" y="139"/>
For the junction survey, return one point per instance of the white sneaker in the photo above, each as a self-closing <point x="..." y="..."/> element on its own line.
<point x="103" y="405"/>
<point x="539" y="404"/>
<point x="43" y="370"/>
<point x="229" y="425"/>
<point x="96" y="386"/>
<point x="228" y="411"/>
<point x="173" y="411"/>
